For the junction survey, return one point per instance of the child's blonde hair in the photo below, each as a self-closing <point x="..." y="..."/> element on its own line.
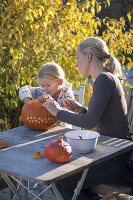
<point x="51" y="70"/>
<point x="98" y="48"/>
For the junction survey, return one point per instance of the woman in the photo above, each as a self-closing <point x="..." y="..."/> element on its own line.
<point x="107" y="109"/>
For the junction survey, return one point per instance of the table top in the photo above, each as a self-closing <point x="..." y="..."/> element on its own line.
<point x="17" y="159"/>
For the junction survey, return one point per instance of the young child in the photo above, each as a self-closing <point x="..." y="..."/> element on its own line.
<point x="51" y="81"/>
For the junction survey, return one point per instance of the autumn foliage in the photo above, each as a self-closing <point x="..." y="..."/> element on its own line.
<point x="33" y="32"/>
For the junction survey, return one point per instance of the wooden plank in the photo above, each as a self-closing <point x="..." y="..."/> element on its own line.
<point x="17" y="159"/>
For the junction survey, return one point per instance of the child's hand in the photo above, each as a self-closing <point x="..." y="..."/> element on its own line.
<point x="72" y="105"/>
<point x="44" y="98"/>
<point x="25" y="100"/>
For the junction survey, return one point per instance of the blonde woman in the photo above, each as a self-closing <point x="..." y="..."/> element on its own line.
<point x="107" y="111"/>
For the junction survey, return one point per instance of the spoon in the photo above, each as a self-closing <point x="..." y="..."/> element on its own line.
<point x="80" y="137"/>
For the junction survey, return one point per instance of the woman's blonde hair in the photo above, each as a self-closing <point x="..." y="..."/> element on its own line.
<point x="98" y="48"/>
<point x="51" y="70"/>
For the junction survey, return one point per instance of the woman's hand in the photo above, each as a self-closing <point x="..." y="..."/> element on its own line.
<point x="72" y="105"/>
<point x="52" y="106"/>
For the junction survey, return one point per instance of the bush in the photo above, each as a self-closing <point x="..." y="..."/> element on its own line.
<point x="35" y="32"/>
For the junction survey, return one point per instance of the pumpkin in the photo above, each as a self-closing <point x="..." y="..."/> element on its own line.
<point x="58" y="151"/>
<point x="124" y="197"/>
<point x="117" y="196"/>
<point x="36" y="116"/>
<point x="3" y="143"/>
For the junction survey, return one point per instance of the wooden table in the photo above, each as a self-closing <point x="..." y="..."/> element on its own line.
<point x="16" y="160"/>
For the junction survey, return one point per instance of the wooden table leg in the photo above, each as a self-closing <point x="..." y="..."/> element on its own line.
<point x="80" y="184"/>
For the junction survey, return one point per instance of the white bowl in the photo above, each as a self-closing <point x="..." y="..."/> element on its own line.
<point x="84" y="145"/>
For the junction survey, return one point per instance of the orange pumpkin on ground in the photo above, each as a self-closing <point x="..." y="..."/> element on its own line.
<point x="58" y="151"/>
<point x="36" y="116"/>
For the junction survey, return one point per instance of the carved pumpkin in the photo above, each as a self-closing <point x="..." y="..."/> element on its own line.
<point x="58" y="151"/>
<point x="36" y="116"/>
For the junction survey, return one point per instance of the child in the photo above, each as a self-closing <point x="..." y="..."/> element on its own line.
<point x="51" y="81"/>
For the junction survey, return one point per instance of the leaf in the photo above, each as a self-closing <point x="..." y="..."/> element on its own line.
<point x="129" y="16"/>
<point x="35" y="32"/>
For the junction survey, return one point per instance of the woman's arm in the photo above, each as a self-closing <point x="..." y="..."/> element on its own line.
<point x="102" y="91"/>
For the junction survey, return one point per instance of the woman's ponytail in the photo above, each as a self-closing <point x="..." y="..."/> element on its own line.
<point x="113" y="66"/>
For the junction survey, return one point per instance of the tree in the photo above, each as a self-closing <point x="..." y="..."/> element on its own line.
<point x="33" y="32"/>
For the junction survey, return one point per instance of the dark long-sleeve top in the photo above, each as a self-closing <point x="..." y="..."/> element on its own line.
<point x="107" y="109"/>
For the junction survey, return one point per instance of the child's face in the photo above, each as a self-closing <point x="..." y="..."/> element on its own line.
<point x="50" y="86"/>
